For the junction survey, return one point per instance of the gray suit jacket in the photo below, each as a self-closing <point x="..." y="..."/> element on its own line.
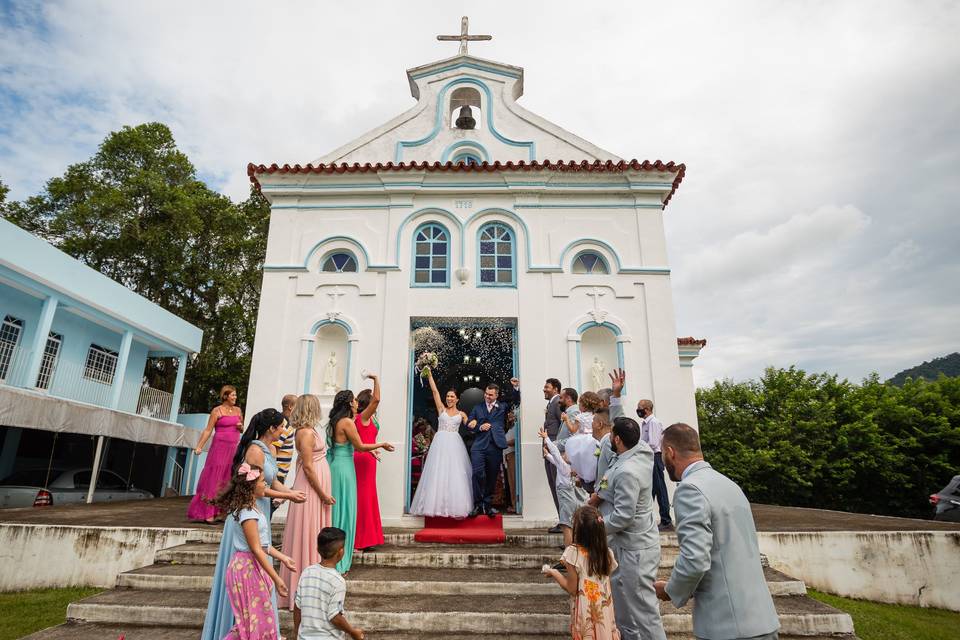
<point x="627" y="506"/>
<point x="616" y="410"/>
<point x="719" y="562"/>
<point x="606" y="456"/>
<point x="551" y="419"/>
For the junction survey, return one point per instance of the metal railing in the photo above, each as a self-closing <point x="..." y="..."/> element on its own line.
<point x="154" y="403"/>
<point x="176" y="478"/>
<point x="73" y="381"/>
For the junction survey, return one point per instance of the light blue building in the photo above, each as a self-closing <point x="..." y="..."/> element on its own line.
<point x="74" y="346"/>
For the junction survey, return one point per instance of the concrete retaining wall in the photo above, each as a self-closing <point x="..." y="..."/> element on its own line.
<point x="39" y="556"/>
<point x="920" y="568"/>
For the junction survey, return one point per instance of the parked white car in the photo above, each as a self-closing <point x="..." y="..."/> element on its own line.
<point x="26" y="488"/>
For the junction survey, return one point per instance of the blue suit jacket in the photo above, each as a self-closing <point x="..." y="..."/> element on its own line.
<point x="497" y="418"/>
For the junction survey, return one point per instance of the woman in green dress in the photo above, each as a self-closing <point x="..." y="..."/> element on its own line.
<point x="344" y="440"/>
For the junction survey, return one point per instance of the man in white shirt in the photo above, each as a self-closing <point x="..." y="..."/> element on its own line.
<point x="651" y="432"/>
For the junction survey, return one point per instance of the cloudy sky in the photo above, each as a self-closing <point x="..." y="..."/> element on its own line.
<point x="819" y="221"/>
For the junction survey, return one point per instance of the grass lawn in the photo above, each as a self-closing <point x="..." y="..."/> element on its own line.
<point x="876" y="621"/>
<point x="23" y="612"/>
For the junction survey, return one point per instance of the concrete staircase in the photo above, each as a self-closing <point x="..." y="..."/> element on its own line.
<point x="409" y="590"/>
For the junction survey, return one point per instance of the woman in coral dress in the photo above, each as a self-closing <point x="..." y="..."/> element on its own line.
<point x="369" y="527"/>
<point x="304" y="521"/>
<point x="344" y="441"/>
<point x="226" y="425"/>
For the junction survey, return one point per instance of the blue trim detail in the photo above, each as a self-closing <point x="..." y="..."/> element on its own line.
<point x="339" y="207"/>
<point x="308" y="374"/>
<point x="625" y="186"/>
<point x="513" y="216"/>
<point x="589" y="206"/>
<point x="441" y="212"/>
<point x="513" y="257"/>
<point x="589" y="325"/>
<point x="439" y="119"/>
<point x="368" y="266"/>
<point x="332" y="252"/>
<point x="413" y="257"/>
<point x="468" y="65"/>
<point x="474" y="145"/>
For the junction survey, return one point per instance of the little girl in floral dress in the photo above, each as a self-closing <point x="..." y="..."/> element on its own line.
<point x="250" y="576"/>
<point x="588" y="563"/>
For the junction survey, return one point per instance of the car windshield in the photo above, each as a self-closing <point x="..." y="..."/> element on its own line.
<point x="29" y="477"/>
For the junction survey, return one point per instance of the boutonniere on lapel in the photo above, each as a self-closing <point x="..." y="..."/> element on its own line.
<point x="596" y="452"/>
<point x="603" y="483"/>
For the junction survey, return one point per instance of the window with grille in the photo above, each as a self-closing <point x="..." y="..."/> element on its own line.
<point x="101" y="364"/>
<point x="431" y="257"/>
<point x="50" y="354"/>
<point x="340" y="262"/>
<point x="496" y="256"/>
<point x="590" y="262"/>
<point x="10" y="332"/>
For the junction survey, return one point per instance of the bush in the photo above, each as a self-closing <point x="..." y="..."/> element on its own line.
<point x="813" y="440"/>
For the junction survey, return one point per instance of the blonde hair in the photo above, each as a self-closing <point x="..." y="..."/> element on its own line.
<point x="306" y="412"/>
<point x="590" y="401"/>
<point x="225" y="391"/>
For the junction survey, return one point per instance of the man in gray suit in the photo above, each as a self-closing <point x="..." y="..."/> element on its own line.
<point x="719" y="563"/>
<point x="625" y="500"/>
<point x="551" y="424"/>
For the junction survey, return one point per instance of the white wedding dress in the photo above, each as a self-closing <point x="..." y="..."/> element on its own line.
<point x="446" y="484"/>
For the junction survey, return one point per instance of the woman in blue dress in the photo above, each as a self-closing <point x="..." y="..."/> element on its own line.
<point x="255" y="448"/>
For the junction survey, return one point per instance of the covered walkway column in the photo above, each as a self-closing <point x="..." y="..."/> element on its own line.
<point x="40" y="342"/>
<point x="119" y="374"/>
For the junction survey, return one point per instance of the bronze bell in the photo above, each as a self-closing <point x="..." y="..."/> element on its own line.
<point x="466" y="121"/>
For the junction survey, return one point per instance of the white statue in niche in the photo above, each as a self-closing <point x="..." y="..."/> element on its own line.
<point x="330" y="374"/>
<point x="596" y="373"/>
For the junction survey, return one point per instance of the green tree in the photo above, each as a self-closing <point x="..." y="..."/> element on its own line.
<point x="137" y="213"/>
<point x="812" y="440"/>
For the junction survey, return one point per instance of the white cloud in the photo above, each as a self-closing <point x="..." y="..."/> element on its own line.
<point x="776" y="108"/>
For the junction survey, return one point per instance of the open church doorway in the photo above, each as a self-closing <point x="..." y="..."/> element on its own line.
<point x="472" y="353"/>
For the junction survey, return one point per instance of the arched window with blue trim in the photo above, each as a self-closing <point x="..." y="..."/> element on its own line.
<point x="431" y="256"/>
<point x="339" y="262"/>
<point x="466" y="158"/>
<point x="497" y="256"/>
<point x="588" y="262"/>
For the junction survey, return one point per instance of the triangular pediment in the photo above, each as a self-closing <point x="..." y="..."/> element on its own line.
<point x="503" y="131"/>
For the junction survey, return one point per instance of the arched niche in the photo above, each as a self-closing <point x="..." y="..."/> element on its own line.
<point x="331" y="360"/>
<point x="599" y="353"/>
<point x="464" y="97"/>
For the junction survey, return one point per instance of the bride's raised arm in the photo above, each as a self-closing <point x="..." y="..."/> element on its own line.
<point x="436" y="393"/>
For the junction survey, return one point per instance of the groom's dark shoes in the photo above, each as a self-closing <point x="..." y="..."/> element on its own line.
<point x="477" y="510"/>
<point x="491" y="512"/>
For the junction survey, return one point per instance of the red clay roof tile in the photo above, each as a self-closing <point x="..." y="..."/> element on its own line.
<point x="596" y="166"/>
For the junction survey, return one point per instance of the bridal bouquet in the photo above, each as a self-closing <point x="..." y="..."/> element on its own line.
<point x="425" y="364"/>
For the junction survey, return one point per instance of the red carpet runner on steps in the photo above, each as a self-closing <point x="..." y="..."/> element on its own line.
<point x="479" y="530"/>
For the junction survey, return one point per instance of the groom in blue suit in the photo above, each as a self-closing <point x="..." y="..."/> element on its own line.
<point x="488" y="419"/>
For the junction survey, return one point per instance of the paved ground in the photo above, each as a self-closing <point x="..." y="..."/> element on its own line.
<point x="171" y="513"/>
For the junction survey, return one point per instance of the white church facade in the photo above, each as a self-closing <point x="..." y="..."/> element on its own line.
<point x="527" y="250"/>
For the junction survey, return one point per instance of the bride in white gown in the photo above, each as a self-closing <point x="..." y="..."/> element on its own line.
<point x="446" y="484"/>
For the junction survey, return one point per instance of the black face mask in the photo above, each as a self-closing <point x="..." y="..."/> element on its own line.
<point x="640" y="412"/>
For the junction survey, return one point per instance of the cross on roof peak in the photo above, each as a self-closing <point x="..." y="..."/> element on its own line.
<point x="463" y="37"/>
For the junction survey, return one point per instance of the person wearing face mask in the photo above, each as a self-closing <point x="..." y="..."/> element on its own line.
<point x="719" y="562"/>
<point x="625" y="499"/>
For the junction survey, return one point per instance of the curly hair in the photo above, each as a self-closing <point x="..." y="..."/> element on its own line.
<point x="239" y="494"/>
<point x="342" y="408"/>
<point x="589" y="533"/>
<point x="590" y="401"/>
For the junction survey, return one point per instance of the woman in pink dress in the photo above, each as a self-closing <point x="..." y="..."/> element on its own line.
<point x="304" y="521"/>
<point x="226" y="425"/>
<point x="369" y="527"/>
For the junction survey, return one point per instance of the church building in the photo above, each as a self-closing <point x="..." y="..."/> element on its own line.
<point x="472" y="228"/>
